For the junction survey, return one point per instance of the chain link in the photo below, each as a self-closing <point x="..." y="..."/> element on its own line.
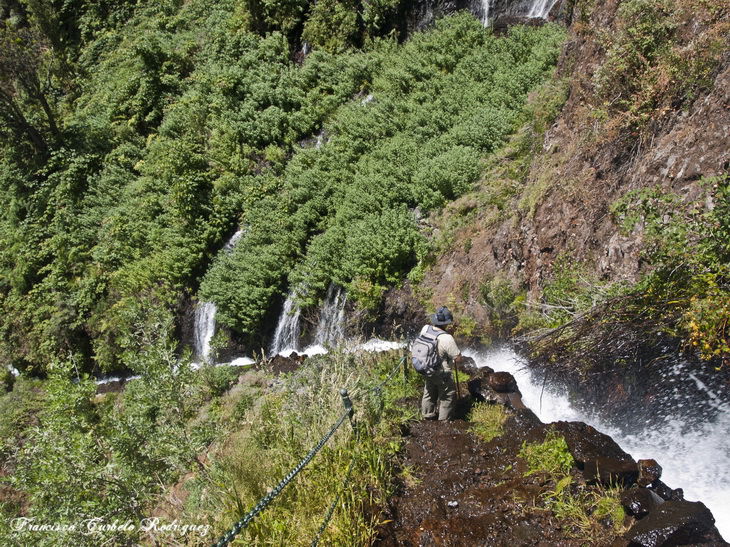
<point x="331" y="510"/>
<point x="268" y="498"/>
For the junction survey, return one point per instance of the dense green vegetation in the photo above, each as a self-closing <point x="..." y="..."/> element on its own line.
<point x="343" y="212"/>
<point x="75" y="457"/>
<point x="137" y="138"/>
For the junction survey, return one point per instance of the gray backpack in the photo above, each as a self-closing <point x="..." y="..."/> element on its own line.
<point x="424" y="352"/>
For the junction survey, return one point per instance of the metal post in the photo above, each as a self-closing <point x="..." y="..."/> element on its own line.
<point x="348" y="405"/>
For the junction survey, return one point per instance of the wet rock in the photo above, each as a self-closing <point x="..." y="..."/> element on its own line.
<point x="111" y="386"/>
<point x="526" y="422"/>
<point x="649" y="471"/>
<point x="280" y="364"/>
<point x="502" y="24"/>
<point x="609" y="471"/>
<point x="666" y="493"/>
<point x="515" y="400"/>
<point x="639" y="502"/>
<point x="588" y="444"/>
<point x="675" y="523"/>
<point x="469" y="366"/>
<point x="502" y="382"/>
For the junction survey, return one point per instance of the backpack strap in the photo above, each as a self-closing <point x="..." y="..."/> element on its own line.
<point x="432" y="333"/>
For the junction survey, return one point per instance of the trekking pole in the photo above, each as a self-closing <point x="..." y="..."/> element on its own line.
<point x="456" y="380"/>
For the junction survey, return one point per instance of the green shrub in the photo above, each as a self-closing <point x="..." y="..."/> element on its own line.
<point x="488" y="420"/>
<point x="687" y="246"/>
<point x="550" y="456"/>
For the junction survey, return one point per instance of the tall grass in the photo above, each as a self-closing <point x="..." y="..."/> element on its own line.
<point x="276" y="433"/>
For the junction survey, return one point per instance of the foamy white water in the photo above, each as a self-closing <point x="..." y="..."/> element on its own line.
<point x="231" y="243"/>
<point x="486" y="4"/>
<point x="541" y="8"/>
<point x="694" y="457"/>
<point x="204" y="329"/>
<point x="288" y="329"/>
<point x="330" y="328"/>
<point x="242" y="362"/>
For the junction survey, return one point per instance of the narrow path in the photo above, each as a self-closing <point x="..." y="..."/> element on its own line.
<point x="458" y="490"/>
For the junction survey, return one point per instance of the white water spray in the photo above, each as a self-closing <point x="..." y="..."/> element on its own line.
<point x="288" y="330"/>
<point x="694" y="456"/>
<point x="330" y="329"/>
<point x="228" y="247"/>
<point x="541" y="8"/>
<point x="204" y="329"/>
<point x="486" y="4"/>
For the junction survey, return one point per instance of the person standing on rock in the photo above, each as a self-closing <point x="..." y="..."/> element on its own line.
<point x="439" y="393"/>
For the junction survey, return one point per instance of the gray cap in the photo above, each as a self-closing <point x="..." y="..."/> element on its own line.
<point x="442" y="317"/>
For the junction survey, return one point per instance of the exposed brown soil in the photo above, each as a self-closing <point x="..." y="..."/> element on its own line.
<point x="465" y="491"/>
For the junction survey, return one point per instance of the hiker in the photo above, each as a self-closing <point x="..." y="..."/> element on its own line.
<point x="439" y="393"/>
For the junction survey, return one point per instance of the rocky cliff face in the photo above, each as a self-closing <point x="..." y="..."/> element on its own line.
<point x="593" y="154"/>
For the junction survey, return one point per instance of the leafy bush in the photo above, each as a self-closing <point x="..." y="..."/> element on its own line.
<point x="687" y="246"/>
<point x="650" y="66"/>
<point x="343" y="210"/>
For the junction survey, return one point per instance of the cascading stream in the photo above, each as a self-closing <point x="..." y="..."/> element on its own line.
<point x="541" y="8"/>
<point x="204" y="329"/>
<point x="694" y="453"/>
<point x="486" y="4"/>
<point x="288" y="330"/>
<point x="330" y="328"/>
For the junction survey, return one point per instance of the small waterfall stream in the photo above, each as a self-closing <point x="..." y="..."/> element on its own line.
<point x="486" y="4"/>
<point x="288" y="330"/>
<point x="541" y="8"/>
<point x="694" y="453"/>
<point x="330" y="328"/>
<point x="204" y="329"/>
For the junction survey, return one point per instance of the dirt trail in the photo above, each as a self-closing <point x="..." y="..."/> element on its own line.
<point x="463" y="491"/>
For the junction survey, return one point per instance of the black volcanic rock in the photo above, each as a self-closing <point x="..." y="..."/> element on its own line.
<point x="675" y="523"/>
<point x="588" y="444"/>
<point x="639" y="502"/>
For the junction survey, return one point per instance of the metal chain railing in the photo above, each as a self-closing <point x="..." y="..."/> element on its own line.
<point x="331" y="510"/>
<point x="268" y="498"/>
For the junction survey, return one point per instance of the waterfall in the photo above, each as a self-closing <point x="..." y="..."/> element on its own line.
<point x="231" y="243"/>
<point x="204" y="329"/>
<point x="205" y="313"/>
<point x="540" y="8"/>
<point x="485" y="11"/>
<point x="693" y="448"/>
<point x="331" y="325"/>
<point x="288" y="330"/>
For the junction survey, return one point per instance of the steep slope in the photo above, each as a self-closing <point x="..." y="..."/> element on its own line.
<point x="645" y="90"/>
